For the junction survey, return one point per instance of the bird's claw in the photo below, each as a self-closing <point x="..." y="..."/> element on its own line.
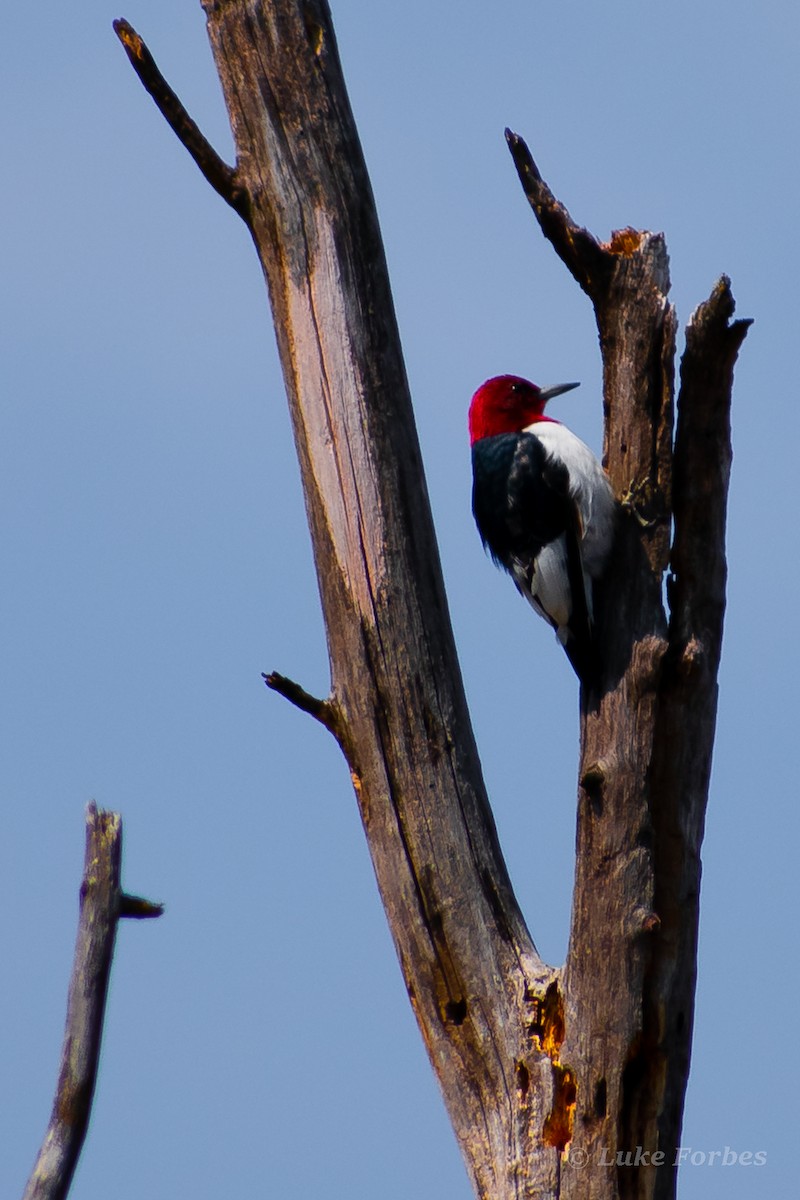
<point x="638" y="497"/>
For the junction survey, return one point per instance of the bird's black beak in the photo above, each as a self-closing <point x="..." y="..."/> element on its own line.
<point x="548" y="393"/>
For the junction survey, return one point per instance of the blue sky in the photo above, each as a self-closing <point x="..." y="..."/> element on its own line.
<point x="156" y="561"/>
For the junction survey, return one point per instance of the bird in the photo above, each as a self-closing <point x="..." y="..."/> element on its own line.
<point x="544" y="508"/>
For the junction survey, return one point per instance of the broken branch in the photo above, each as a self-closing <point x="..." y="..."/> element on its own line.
<point x="589" y="262"/>
<point x="321" y="710"/>
<point x="223" y="178"/>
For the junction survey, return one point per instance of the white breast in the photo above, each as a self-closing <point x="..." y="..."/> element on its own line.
<point x="589" y="485"/>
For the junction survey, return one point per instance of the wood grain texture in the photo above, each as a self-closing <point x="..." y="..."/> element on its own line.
<point x="684" y="737"/>
<point x="476" y="983"/>
<point x="647" y="735"/>
<point x="541" y="1069"/>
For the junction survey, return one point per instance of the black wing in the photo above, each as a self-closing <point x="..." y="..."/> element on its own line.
<point x="521" y="503"/>
<point x="520" y="497"/>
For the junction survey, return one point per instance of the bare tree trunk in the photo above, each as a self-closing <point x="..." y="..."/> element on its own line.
<point x="103" y="904"/>
<point x="646" y="744"/>
<point x="538" y="1067"/>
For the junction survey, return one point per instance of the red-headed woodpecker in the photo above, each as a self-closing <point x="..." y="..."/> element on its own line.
<point x="543" y="506"/>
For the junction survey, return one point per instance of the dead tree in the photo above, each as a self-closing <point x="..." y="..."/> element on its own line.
<point x="103" y="904"/>
<point x="543" y="1070"/>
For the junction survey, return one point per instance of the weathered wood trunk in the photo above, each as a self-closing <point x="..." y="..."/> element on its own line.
<point x="102" y="904"/>
<point x="397" y="702"/>
<point x="546" y="1073"/>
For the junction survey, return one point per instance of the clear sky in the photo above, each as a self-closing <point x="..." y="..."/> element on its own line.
<point x="155" y="560"/>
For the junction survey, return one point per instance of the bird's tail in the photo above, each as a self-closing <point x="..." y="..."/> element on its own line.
<point x="580" y="643"/>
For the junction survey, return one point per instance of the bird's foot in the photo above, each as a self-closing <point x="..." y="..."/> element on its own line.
<point x="639" y="498"/>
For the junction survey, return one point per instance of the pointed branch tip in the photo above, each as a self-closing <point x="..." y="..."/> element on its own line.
<point x="138" y="908"/>
<point x="521" y="154"/>
<point x="590" y="263"/>
<point x="719" y="309"/>
<point x="222" y="178"/>
<point x="324" y="711"/>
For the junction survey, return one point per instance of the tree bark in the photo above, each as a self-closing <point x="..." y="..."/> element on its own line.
<point x="540" y="1068"/>
<point x="103" y="903"/>
<point x="646" y="740"/>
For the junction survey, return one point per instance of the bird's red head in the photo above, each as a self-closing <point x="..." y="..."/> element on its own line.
<point x="508" y="404"/>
